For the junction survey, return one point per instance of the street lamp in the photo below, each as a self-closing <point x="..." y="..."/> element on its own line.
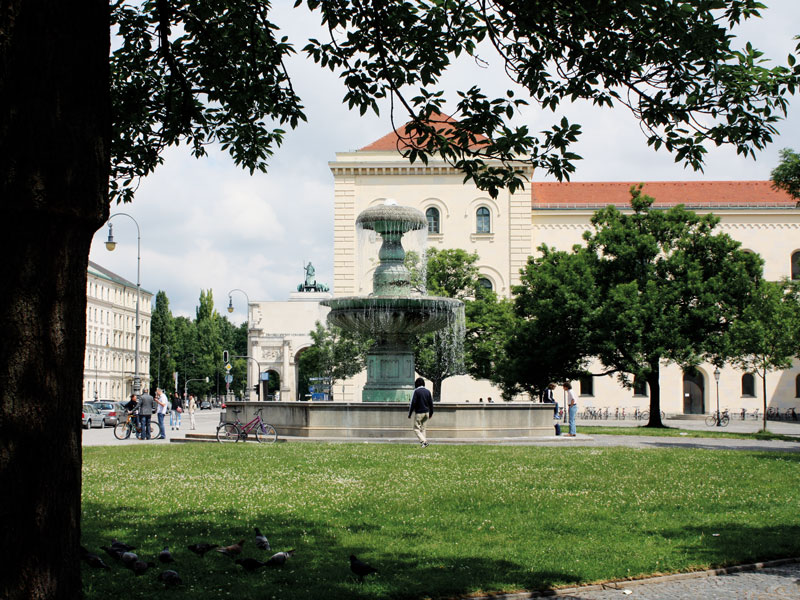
<point x="110" y="245"/>
<point x="158" y="376"/>
<point x="230" y="310"/>
<point x="716" y="378"/>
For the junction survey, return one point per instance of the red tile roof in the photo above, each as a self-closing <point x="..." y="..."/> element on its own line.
<point x="392" y="141"/>
<point x="693" y="194"/>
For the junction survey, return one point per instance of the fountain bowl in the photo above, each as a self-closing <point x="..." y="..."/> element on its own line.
<point x="391" y="315"/>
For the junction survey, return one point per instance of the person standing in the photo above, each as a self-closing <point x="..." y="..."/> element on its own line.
<point x="177" y="411"/>
<point x="572" y="407"/>
<point x="422" y="407"/>
<point x="191" y="408"/>
<point x="163" y="403"/>
<point x="146" y="407"/>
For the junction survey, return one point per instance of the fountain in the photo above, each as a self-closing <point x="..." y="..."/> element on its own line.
<point x="392" y="315"/>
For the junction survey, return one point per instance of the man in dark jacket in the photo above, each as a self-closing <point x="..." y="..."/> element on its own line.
<point x="146" y="407"/>
<point x="422" y="405"/>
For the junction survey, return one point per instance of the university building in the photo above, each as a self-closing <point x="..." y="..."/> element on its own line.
<point x="505" y="231"/>
<point x="109" y="361"/>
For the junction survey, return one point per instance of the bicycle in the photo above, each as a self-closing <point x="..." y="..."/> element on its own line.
<point x="234" y="431"/>
<point x="123" y="429"/>
<point x="718" y="418"/>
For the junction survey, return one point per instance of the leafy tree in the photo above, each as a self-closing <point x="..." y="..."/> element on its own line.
<point x="649" y="287"/>
<point x="214" y="73"/>
<point x="786" y="176"/>
<point x="489" y="324"/>
<point x="450" y="273"/>
<point x="764" y="338"/>
<point x="336" y="354"/>
<point x="162" y="342"/>
<point x="550" y="332"/>
<point x="209" y="343"/>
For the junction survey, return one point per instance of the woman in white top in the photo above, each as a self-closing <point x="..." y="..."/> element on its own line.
<point x="191" y="408"/>
<point x="572" y="405"/>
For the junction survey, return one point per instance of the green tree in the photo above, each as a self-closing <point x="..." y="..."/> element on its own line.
<point x="489" y="324"/>
<point x="786" y="176"/>
<point x="214" y="73"/>
<point x="764" y="338"/>
<point x="649" y="287"/>
<point x="450" y="273"/>
<point x="335" y="355"/>
<point x="550" y="331"/>
<point x="162" y="342"/>
<point x="208" y="359"/>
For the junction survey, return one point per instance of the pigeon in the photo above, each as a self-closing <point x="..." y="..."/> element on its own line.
<point x="232" y="550"/>
<point x="170" y="578"/>
<point x="261" y="540"/>
<point x="114" y="553"/>
<point x="201" y="548"/>
<point x="139" y="566"/>
<point x="279" y="558"/>
<point x="128" y="558"/>
<point x="115" y="543"/>
<point x="360" y="568"/>
<point x="250" y="564"/>
<point x="165" y="556"/>
<point x="93" y="560"/>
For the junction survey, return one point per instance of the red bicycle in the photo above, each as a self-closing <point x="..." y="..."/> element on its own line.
<point x="235" y="431"/>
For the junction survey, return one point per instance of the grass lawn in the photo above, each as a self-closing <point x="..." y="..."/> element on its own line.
<point x="675" y="432"/>
<point x="439" y="522"/>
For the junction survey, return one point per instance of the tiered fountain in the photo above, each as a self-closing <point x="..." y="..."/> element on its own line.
<point x="392" y="315"/>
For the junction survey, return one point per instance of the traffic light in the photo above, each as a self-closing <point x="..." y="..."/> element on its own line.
<point x="225" y="356"/>
<point x="257" y="388"/>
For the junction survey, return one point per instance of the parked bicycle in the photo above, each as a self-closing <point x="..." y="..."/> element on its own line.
<point x="718" y="418"/>
<point x="234" y="431"/>
<point x="124" y="428"/>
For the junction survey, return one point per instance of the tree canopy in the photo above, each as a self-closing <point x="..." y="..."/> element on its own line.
<point x="649" y="286"/>
<point x="786" y="176"/>
<point x="204" y="73"/>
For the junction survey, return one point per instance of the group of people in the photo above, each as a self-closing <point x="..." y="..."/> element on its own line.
<point x="572" y="404"/>
<point x="145" y="405"/>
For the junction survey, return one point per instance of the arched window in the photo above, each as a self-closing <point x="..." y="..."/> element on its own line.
<point x="485" y="283"/>
<point x="432" y="214"/>
<point x="587" y="385"/>
<point x="639" y="386"/>
<point x="796" y="265"/>
<point x="748" y="385"/>
<point x="483" y="222"/>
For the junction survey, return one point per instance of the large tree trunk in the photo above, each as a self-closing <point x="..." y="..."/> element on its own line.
<point x="654" y="385"/>
<point x="54" y="138"/>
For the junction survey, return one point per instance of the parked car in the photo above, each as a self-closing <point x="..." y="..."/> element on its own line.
<point x="205" y="405"/>
<point x="92" y="417"/>
<point x="110" y="410"/>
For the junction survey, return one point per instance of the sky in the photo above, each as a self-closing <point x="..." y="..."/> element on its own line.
<point x="207" y="225"/>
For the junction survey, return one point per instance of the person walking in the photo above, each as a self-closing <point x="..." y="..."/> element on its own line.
<point x="572" y="407"/>
<point x="191" y="408"/>
<point x="163" y="403"/>
<point x="146" y="407"/>
<point x="177" y="412"/>
<point x="422" y="407"/>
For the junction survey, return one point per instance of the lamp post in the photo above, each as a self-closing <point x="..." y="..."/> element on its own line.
<point x="158" y="376"/>
<point x="185" y="372"/>
<point x="110" y="245"/>
<point x="716" y="378"/>
<point x="230" y="310"/>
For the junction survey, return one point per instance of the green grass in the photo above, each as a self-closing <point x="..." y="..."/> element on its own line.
<point x="440" y="522"/>
<point x="695" y="433"/>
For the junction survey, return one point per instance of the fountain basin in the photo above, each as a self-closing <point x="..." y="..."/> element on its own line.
<point x="390" y="315"/>
<point x="387" y="420"/>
